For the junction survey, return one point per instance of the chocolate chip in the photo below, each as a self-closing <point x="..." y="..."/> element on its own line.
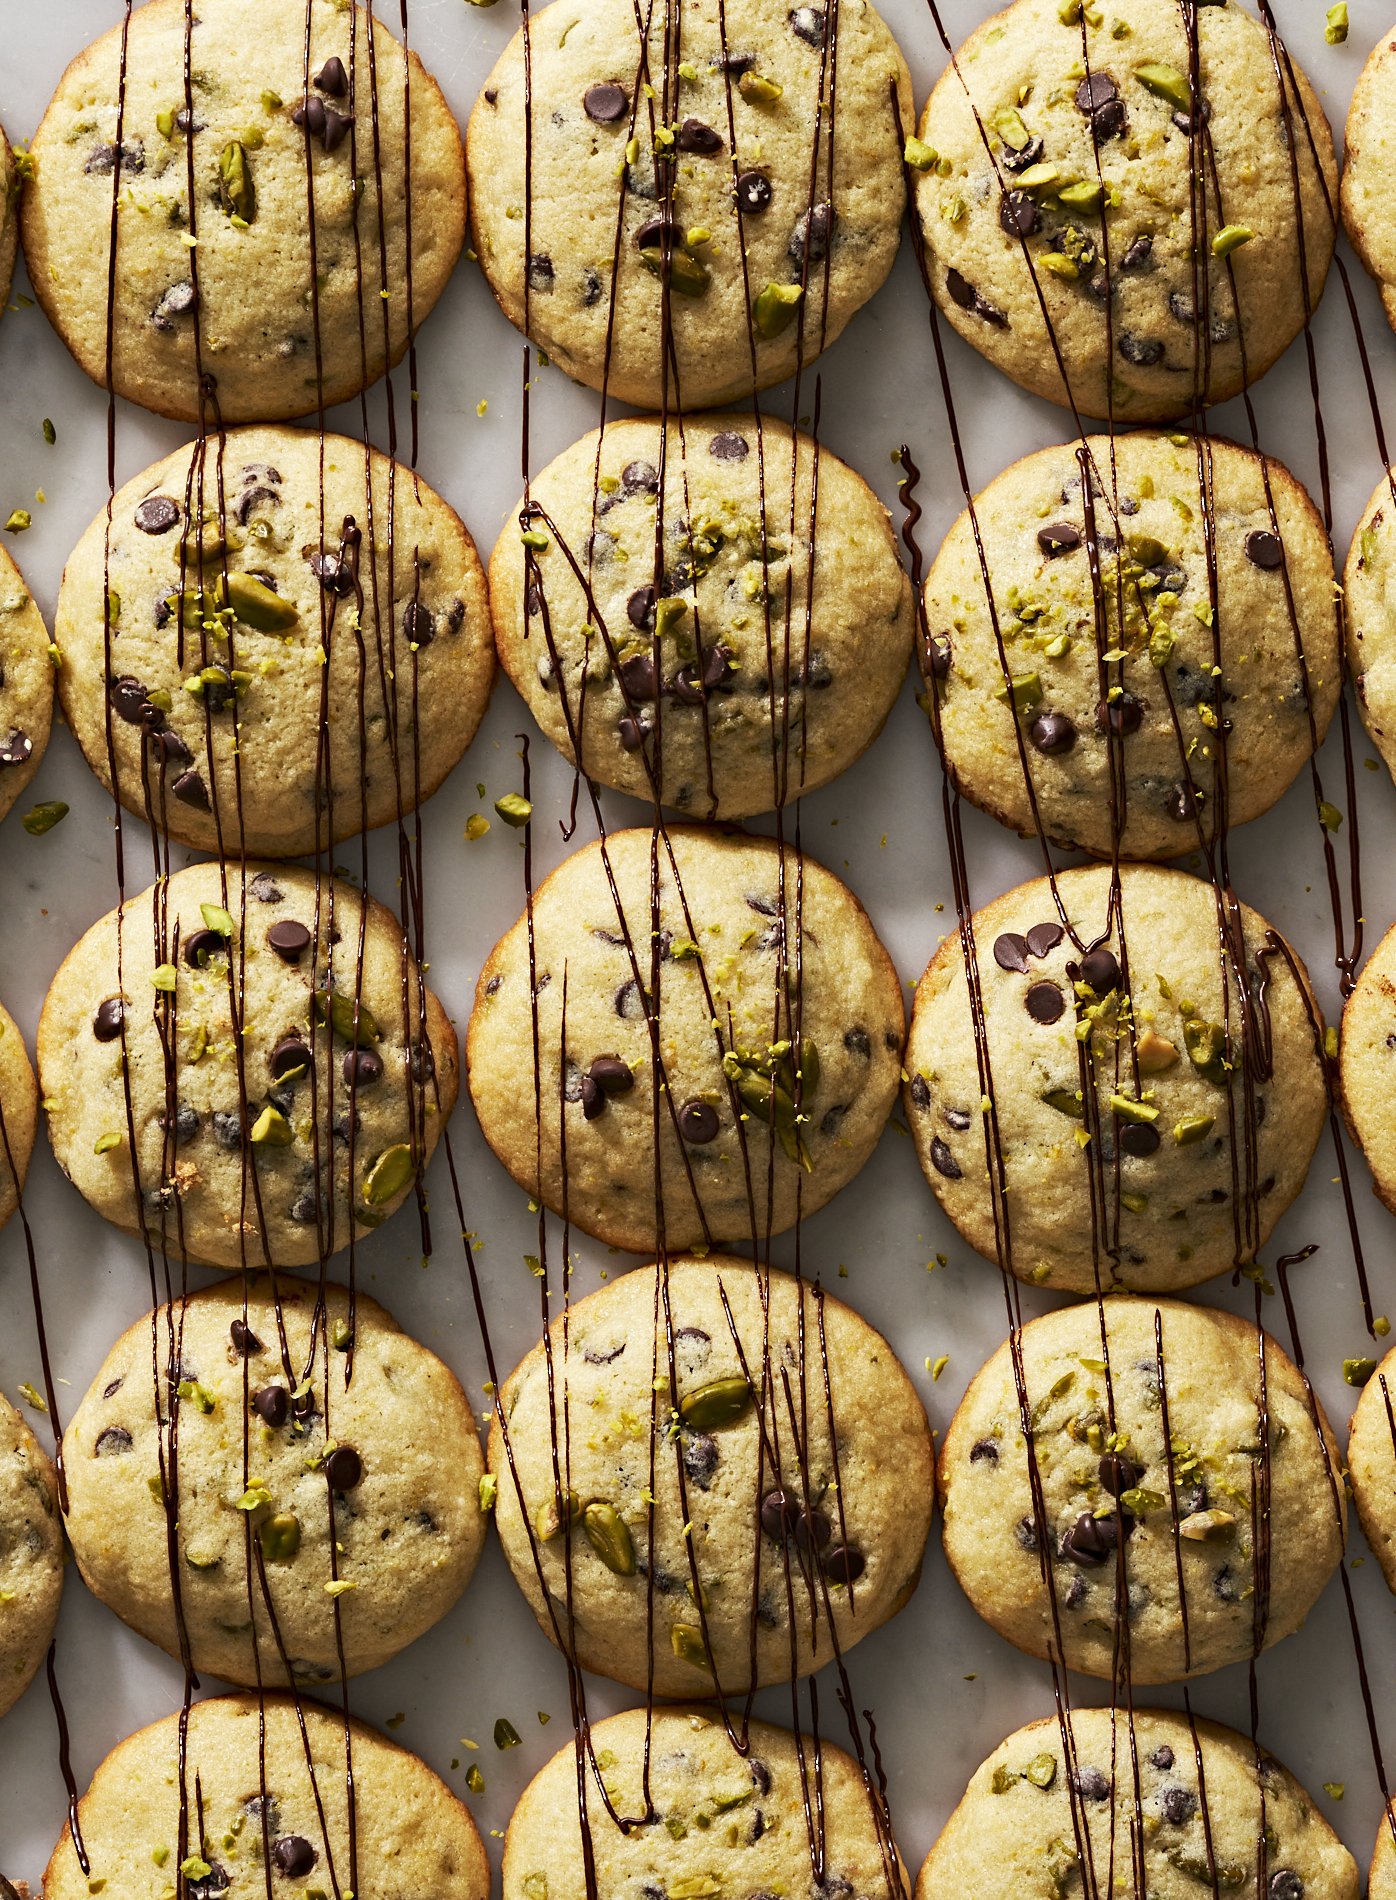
<point x="1162" y="1758"/>
<point x="1179" y="1804"/>
<point x="186" y="1121"/>
<point x="640" y="478"/>
<point x="591" y="1098"/>
<point x="1142" y="351"/>
<point x="1101" y="970"/>
<point x="1139" y="1139"/>
<point x="265" y="888"/>
<point x="418" y="624"/>
<point x="1018" y="213"/>
<point x="1110" y="122"/>
<point x="810" y="237"/>
<point x="698" y="1122"/>
<point x="1090" y="1784"/>
<point x="611" y="1075"/>
<point x="1025" y="155"/>
<point x="637" y="676"/>
<point x="639" y="609"/>
<point x="700" y="1454"/>
<point x="753" y="192"/>
<point x="630" y="1004"/>
<point x="289" y="939"/>
<point x="1011" y="952"/>
<point x="1285" y="1884"/>
<point x="189" y="789"/>
<point x="541" y="275"/>
<point x="1264" y="549"/>
<point x="1118" y="1473"/>
<point x="157" y="514"/>
<point x="210" y="1885"/>
<point x="844" y="1563"/>
<point x="293" y="1855"/>
<point x="1091" y="1540"/>
<point x="1042" y="939"/>
<point x="1052" y="733"/>
<point x="333" y="573"/>
<point x="631" y="732"/>
<point x="310" y="113"/>
<point x="16" y="749"/>
<point x="729" y="446"/>
<point x="361" y="1068"/>
<point x="272" y="1404"/>
<point x="812" y="1529"/>
<point x="1061" y="538"/>
<point x="106" y="1023"/>
<point x="112" y="1442"/>
<point x="1121" y="715"/>
<point x="961" y="290"/>
<point x="778" y="1514"/>
<point x="200" y="945"/>
<point x="808" y="24"/>
<point x="943" y="1161"/>
<point x="344" y="1468"/>
<point x="102" y="160"/>
<point x="760" y="1774"/>
<point x="1094" y="91"/>
<point x="857" y="1044"/>
<point x="1139" y="253"/>
<point x="986" y="1450"/>
<point x="938" y="656"/>
<point x="694" y="136"/>
<point x="245" y="1341"/>
<point x="333" y="79"/>
<point x="1025" y="1531"/>
<point x="605" y="103"/>
<point x="128" y="698"/>
<point x="1045" y="1003"/>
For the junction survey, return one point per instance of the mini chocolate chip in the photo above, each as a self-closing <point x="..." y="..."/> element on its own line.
<point x="1139" y="253"/>
<point x="844" y="1563"/>
<point x="106" y="1023"/>
<point x="418" y="624"/>
<point x="640" y="478"/>
<point x="333" y="79"/>
<point x="541" y="275"/>
<point x="1025" y="1531"/>
<point x="984" y="1451"/>
<point x="1061" y="538"/>
<point x="112" y="1442"/>
<point x="1042" y="939"/>
<point x="694" y="136"/>
<point x="760" y="1774"/>
<point x="753" y="192"/>
<point x="361" y="1068"/>
<point x="778" y="1514"/>
<point x="943" y="1161"/>
<point x="172" y="749"/>
<point x="631" y="733"/>
<point x="1052" y="733"/>
<point x="189" y="789"/>
<point x="157" y="514"/>
<point x="1045" y="1003"/>
<point x="1142" y="351"/>
<point x="265" y="888"/>
<point x="1101" y="970"/>
<point x="344" y="1468"/>
<point x="698" y="1122"/>
<point x="938" y="655"/>
<point x="272" y="1404"/>
<point x="1179" y="1804"/>
<point x="334" y="574"/>
<point x="128" y="698"/>
<point x="808" y="24"/>
<point x="1264" y="549"/>
<point x="210" y="1885"/>
<point x="200" y="945"/>
<point x="293" y="1855"/>
<point x="1011" y="952"/>
<point x="337" y="126"/>
<point x="1162" y="1758"/>
<point x="1139" y="1139"/>
<point x="810" y="237"/>
<point x="289" y="939"/>
<point x="857" y="1043"/>
<point x="245" y="1341"/>
<point x="1122" y="715"/>
<point x="655" y="232"/>
<point x="1018" y="213"/>
<point x="1090" y="1784"/>
<point x="729" y="446"/>
<point x="700" y="1454"/>
<point x="604" y="103"/>
<point x="611" y="1075"/>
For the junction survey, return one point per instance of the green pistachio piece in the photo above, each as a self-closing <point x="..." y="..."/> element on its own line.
<point x="669" y="614"/>
<point x="1008" y="123"/>
<point x="1003" y="1779"/>
<point x="44" y="817"/>
<point x="341" y="1334"/>
<point x="514" y="809"/>
<point x="1061" y="266"/>
<point x="713" y="1406"/>
<point x="196" y="1560"/>
<point x="1224" y="1874"/>
<point x="280" y="1536"/>
<point x="256" y="605"/>
<point x="1206" y="1527"/>
<point x="1136" y="1203"/>
<point x="1066" y="1102"/>
<point x="1336" y="29"/>
<point x="353" y="1024"/>
<point x="272" y="1130"/>
<point x="1085" y="196"/>
<point x="920" y="156"/>
<point x="686" y="274"/>
<point x="1358" y="1371"/>
<point x="1206" y="1047"/>
<point x="200" y="546"/>
<point x="236" y="193"/>
<point x="389" y="1175"/>
<point x="609" y="1536"/>
<point x="775" y="307"/>
<point x="1129" y="1110"/>
<point x="550" y="1520"/>
<point x="1165" y="82"/>
<point x="1041" y="1771"/>
<point x="1039" y="177"/>
<point x="688" y="1645"/>
<point x="1193" y="1128"/>
<point x="1023" y="690"/>
<point x="761" y="91"/>
<point x="1230" y="238"/>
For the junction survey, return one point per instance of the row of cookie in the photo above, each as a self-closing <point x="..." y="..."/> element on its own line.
<point x="1114" y="1078"/>
<point x="720" y="637"/>
<point x="685" y="211"/>
<point x="707" y="1480"/>
<point x="667" y="1804"/>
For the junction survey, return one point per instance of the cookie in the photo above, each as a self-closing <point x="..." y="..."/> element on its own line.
<point x="378" y="1459"/>
<point x="742" y="168"/>
<point x="1209" y="1814"/>
<point x="1048" y="111"/>
<point x="31" y="1554"/>
<point x="285" y="308"/>
<point x="262" y="1791"/>
<point x="1372" y="1465"/>
<point x="1201" y="1115"/>
<point x="19" y="1114"/>
<point x="749" y="1137"/>
<point x="240" y="731"/>
<point x="1369" y="603"/>
<point x="26" y="685"/>
<point x="1364" y="1067"/>
<point x="1367" y="172"/>
<point x="720" y="1822"/>
<point x="767" y="656"/>
<point x="10" y="186"/>
<point x="1381" y="1882"/>
<point x="837" y="1526"/>
<point x="1030" y="733"/>
<point x="265" y="1148"/>
<point x="1178" y="1494"/>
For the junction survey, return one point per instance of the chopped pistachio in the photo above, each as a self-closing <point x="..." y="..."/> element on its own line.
<point x="1336" y="30"/>
<point x="1206" y="1527"/>
<point x="272" y="1130"/>
<point x="1193" y="1128"/>
<point x="44" y="817"/>
<point x="920" y="156"/>
<point x="1167" y="83"/>
<point x="774" y="308"/>
<point x="389" y="1175"/>
<point x="758" y="89"/>
<point x="505" y="1734"/>
<point x="1358" y="1371"/>
<point x="1230" y="238"/>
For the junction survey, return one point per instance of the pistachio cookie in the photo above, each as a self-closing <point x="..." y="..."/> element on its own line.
<point x="260" y="1799"/>
<point x="837" y="1526"/>
<point x="1369" y="601"/>
<point x="26" y="685"/>
<point x="718" y="1822"/>
<point x="705" y="211"/>
<point x="742" y="938"/>
<point x="273" y="283"/>
<point x="1152" y="1119"/>
<point x="267" y="1040"/>
<point x="19" y="1114"/>
<point x="10" y="185"/>
<point x="1381" y="1881"/>
<point x="1368" y="177"/>
<point x="367" y="1482"/>
<point x="1368" y="1054"/>
<point x="1211" y="608"/>
<point x="210" y="685"/>
<point x="1205" y="1814"/>
<point x="31" y="1554"/>
<point x="1372" y="1465"/>
<point x="768" y="656"/>
<point x="1048" y="112"/>
<point x="1177" y="1495"/>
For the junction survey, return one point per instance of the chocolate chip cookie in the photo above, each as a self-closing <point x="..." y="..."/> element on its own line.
<point x="1073" y="166"/>
<point x="10" y="186"/>
<point x="19" y="1114"/>
<point x="253" y="214"/>
<point x="1372" y="1464"/>
<point x="360" y="1483"/>
<point x="685" y="221"/>
<point x="1186" y="602"/>
<point x="688" y="1366"/>
<point x="1366" y="1061"/>
<point x="26" y="685"/>
<point x="752" y="660"/>
<point x="270" y="551"/>
<point x="719" y="1822"/>
<point x="1149" y="1436"/>
<point x="1368" y="177"/>
<point x="1152" y="1120"/>
<point x="31" y="1554"/>
<point x="1381" y="1882"/>
<point x="267" y="1042"/>
<point x="1369" y="601"/>
<point x="260" y="1802"/>
<point x="1204" y="1814"/>
<point x="694" y="959"/>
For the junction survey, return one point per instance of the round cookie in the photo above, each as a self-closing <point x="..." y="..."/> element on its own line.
<point x="1273" y="620"/>
<point x="837" y="1527"/>
<point x="746" y="1145"/>
<point x="833" y="631"/>
<point x="392" y="1453"/>
<point x="722" y="1822"/>
<point x="226" y="732"/>
<point x="283" y="314"/>
<point x="1020" y="141"/>
<point x="31" y="1554"/>
<point x="1369" y="603"/>
<point x="265" y="1789"/>
<point x="730" y="163"/>
<point x="1211" y="1817"/>
<point x="1105" y="1466"/>
<point x="10" y="186"/>
<point x="1367" y="170"/>
<point x="1372" y="1465"/>
<point x="19" y="1114"/>
<point x="1364" y="1067"/>
<point x="1381" y="1881"/>
<point x="26" y="685"/>
<point x="285" y="1137"/>
<point x="1199" y="1130"/>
